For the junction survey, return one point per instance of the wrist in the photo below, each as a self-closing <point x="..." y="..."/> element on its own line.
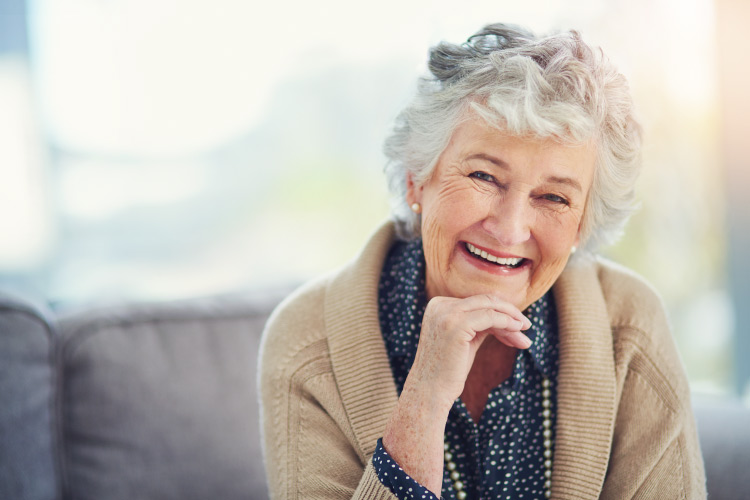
<point x="425" y="399"/>
<point x="413" y="438"/>
<point x="417" y="423"/>
<point x="427" y="396"/>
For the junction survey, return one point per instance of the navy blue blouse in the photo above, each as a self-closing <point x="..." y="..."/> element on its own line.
<point x="502" y="455"/>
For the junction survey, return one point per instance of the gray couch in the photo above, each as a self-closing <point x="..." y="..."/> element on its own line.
<point x="158" y="401"/>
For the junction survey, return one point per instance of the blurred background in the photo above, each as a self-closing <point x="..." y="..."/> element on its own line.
<point x="161" y="149"/>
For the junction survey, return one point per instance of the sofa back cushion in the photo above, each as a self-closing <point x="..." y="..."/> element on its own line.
<point x="27" y="382"/>
<point x="159" y="401"/>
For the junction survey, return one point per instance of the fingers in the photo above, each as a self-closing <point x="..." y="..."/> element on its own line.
<point x="489" y="301"/>
<point x="471" y="319"/>
<point x="485" y="319"/>
<point x="503" y="327"/>
<point x="512" y="339"/>
<point x="453" y="330"/>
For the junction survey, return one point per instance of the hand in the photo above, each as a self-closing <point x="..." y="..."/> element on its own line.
<point x="452" y="332"/>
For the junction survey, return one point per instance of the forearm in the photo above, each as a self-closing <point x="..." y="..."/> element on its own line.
<point x="414" y="435"/>
<point x="308" y="454"/>
<point x="453" y="330"/>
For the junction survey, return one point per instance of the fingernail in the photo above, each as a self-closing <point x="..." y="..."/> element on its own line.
<point x="526" y="323"/>
<point x="526" y="343"/>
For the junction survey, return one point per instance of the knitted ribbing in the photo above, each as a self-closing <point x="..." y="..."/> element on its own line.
<point x="586" y="387"/>
<point x="358" y="355"/>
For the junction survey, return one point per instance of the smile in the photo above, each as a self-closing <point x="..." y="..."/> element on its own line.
<point x="500" y="261"/>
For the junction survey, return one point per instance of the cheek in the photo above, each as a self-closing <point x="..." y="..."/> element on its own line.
<point x="459" y="205"/>
<point x="546" y="275"/>
<point x="432" y="236"/>
<point x="558" y="241"/>
<point x="450" y="206"/>
<point x="446" y="214"/>
<point x="555" y="241"/>
<point x="557" y="232"/>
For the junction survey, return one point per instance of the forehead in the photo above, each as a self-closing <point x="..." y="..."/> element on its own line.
<point x="530" y="154"/>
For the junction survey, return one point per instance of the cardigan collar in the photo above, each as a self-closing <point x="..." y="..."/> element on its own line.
<point x="586" y="385"/>
<point x="586" y="377"/>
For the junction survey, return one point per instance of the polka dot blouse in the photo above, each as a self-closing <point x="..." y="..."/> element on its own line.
<point x="502" y="455"/>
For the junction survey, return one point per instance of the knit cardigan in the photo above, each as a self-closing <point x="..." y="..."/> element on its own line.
<point x="624" y="428"/>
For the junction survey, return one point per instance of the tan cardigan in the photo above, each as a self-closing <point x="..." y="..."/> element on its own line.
<point x="624" y="425"/>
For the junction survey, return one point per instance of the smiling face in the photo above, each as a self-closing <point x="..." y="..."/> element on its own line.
<point x="500" y="213"/>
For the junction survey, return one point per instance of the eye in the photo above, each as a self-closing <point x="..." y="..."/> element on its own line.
<point x="556" y="199"/>
<point x="482" y="176"/>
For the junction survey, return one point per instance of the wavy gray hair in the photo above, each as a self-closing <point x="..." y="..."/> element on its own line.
<point x="554" y="86"/>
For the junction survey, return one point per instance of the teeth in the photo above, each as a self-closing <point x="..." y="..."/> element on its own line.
<point x="498" y="260"/>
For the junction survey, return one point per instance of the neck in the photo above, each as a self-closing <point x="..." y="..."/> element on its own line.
<point x="493" y="365"/>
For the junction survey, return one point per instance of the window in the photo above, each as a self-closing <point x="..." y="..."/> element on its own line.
<point x="155" y="150"/>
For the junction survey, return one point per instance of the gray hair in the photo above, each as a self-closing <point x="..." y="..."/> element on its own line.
<point x="554" y="86"/>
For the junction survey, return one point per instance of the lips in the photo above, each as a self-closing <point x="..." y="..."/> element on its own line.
<point x="511" y="262"/>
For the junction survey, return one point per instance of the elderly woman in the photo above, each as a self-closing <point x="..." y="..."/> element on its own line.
<point x="477" y="348"/>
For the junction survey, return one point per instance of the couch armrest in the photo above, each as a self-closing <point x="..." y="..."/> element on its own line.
<point x="28" y="434"/>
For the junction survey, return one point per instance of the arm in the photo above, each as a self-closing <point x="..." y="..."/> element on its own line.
<point x="452" y="332"/>
<point x="308" y="446"/>
<point x="655" y="451"/>
<point x="396" y="479"/>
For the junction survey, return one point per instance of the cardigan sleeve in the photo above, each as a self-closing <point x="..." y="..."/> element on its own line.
<point x="655" y="450"/>
<point x="309" y="448"/>
<point x="309" y="451"/>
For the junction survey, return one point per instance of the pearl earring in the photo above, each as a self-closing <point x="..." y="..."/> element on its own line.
<point x="573" y="250"/>
<point x="416" y="207"/>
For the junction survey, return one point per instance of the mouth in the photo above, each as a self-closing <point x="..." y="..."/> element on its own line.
<point x="505" y="262"/>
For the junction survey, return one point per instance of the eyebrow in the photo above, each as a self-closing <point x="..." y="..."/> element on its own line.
<point x="568" y="181"/>
<point x="497" y="161"/>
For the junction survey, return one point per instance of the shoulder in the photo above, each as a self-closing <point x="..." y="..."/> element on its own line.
<point x="295" y="331"/>
<point x="631" y="300"/>
<point x="293" y="318"/>
<point x="304" y="325"/>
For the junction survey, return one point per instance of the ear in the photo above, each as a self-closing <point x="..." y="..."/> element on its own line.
<point x="413" y="192"/>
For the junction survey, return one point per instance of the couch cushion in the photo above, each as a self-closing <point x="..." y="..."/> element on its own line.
<point x="27" y="381"/>
<point x="160" y="400"/>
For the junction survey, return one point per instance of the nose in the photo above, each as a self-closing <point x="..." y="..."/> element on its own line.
<point x="510" y="219"/>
